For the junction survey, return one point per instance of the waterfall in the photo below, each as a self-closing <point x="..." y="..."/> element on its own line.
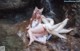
<point x="47" y="7"/>
<point x="48" y="2"/>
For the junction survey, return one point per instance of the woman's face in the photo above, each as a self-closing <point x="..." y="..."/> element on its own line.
<point x="38" y="15"/>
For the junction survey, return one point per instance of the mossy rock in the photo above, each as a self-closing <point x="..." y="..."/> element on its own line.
<point x="13" y="43"/>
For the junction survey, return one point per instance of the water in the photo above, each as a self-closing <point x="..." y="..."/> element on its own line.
<point x="49" y="6"/>
<point x="48" y="2"/>
<point x="48" y="11"/>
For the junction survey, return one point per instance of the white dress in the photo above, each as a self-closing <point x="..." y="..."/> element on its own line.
<point x="40" y="39"/>
<point x="34" y="23"/>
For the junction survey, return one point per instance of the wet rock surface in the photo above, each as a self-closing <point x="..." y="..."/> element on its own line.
<point x="12" y="42"/>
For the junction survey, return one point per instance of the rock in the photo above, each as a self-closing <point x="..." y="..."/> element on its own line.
<point x="2" y="48"/>
<point x="12" y="4"/>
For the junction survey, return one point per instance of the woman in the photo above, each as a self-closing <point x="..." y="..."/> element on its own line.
<point x="37" y="31"/>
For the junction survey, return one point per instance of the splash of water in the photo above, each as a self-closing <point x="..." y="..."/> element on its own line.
<point x="48" y="2"/>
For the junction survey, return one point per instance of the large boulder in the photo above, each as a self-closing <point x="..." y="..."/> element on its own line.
<point x="11" y="4"/>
